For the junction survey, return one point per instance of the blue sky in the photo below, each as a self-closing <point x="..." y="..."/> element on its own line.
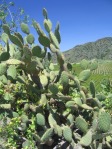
<point x="81" y="21"/>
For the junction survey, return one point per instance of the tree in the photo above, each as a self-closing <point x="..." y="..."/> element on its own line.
<point x="13" y="19"/>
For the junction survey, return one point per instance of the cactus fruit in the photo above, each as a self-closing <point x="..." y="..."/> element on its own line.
<point x="67" y="133"/>
<point x="47" y="135"/>
<point x="104" y="121"/>
<point x="40" y="119"/>
<point x="81" y="124"/>
<point x="30" y="39"/>
<point x="25" y="28"/>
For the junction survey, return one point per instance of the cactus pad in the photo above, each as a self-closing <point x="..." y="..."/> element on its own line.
<point x="25" y="28"/>
<point x="86" y="139"/>
<point x="64" y="78"/>
<point x="81" y="124"/>
<point x="104" y="121"/>
<point x="84" y="75"/>
<point x="3" y="68"/>
<point x="67" y="133"/>
<point x="48" y="25"/>
<point x="53" y="88"/>
<point x="30" y="39"/>
<point x="92" y="89"/>
<point x="40" y="119"/>
<point x="54" y="39"/>
<point x="47" y="135"/>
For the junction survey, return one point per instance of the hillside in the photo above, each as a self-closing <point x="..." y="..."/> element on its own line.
<point x="100" y="49"/>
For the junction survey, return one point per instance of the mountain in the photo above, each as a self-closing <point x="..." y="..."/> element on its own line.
<point x="100" y="49"/>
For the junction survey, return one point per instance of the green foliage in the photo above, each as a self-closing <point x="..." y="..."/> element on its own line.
<point x="41" y="107"/>
<point x="100" y="50"/>
<point x="13" y="19"/>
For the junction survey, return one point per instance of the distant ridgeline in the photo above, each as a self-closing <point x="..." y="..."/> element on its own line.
<point x="100" y="49"/>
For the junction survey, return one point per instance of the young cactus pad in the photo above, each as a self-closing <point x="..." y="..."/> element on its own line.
<point x="104" y="121"/>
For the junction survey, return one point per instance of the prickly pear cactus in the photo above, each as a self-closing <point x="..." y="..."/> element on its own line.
<point x="41" y="107"/>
